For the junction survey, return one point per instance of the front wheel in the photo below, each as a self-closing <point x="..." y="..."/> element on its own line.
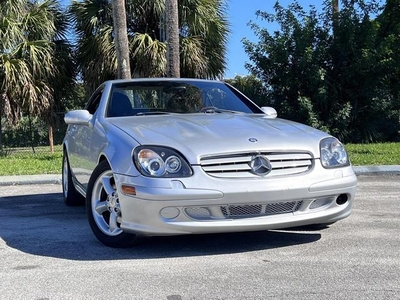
<point x="70" y="195"/>
<point x="103" y="208"/>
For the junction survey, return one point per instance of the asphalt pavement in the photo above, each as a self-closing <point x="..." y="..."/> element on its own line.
<point x="56" y="178"/>
<point x="49" y="252"/>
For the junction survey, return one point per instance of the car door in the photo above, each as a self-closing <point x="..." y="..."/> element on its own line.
<point x="82" y="160"/>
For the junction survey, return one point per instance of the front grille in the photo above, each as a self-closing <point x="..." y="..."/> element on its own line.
<point x="238" y="165"/>
<point x="198" y="213"/>
<point x="242" y="210"/>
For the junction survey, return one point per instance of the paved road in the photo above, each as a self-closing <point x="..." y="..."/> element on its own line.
<point x="48" y="252"/>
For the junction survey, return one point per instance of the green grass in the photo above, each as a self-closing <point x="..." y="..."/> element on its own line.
<point x="374" y="154"/>
<point x="24" y="163"/>
<point x="29" y="164"/>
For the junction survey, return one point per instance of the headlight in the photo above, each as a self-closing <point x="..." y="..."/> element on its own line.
<point x="155" y="161"/>
<point x="333" y="154"/>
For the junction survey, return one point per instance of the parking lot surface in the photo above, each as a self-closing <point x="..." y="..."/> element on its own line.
<point x="48" y="252"/>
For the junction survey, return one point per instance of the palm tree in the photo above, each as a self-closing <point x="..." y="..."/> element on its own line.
<point x="21" y="52"/>
<point x="203" y="34"/>
<point x="30" y="56"/>
<point x="172" y="30"/>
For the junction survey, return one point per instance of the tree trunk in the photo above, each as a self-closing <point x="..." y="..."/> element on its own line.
<point x="335" y="15"/>
<point x="172" y="26"/>
<point x="121" y="39"/>
<point x="335" y="6"/>
<point x="51" y="139"/>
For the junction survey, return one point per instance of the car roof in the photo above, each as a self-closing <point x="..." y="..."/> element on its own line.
<point x="161" y="79"/>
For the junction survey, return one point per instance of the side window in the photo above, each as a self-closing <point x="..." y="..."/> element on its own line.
<point x="94" y="102"/>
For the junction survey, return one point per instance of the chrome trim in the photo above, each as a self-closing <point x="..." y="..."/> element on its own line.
<point x="239" y="165"/>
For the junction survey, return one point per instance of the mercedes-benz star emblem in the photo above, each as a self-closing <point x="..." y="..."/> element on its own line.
<point x="260" y="165"/>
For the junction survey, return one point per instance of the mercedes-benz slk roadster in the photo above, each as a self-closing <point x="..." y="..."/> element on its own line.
<point x="164" y="156"/>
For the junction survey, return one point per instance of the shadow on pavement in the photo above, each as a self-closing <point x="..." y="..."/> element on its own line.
<point x="42" y="225"/>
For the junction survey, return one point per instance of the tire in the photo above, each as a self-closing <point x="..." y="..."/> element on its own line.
<point x="70" y="195"/>
<point x="103" y="209"/>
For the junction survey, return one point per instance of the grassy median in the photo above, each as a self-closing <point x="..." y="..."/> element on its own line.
<point x="17" y="163"/>
<point x="374" y="154"/>
<point x="29" y="164"/>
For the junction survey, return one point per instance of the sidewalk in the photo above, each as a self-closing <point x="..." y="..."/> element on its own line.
<point x="56" y="178"/>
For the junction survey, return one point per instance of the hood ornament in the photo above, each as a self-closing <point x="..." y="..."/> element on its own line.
<point x="253" y="140"/>
<point x="260" y="165"/>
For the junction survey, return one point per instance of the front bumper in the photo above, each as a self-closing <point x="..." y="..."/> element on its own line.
<point x="173" y="207"/>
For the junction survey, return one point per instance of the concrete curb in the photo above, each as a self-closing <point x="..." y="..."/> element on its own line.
<point x="376" y="170"/>
<point x="30" y="179"/>
<point x="56" y="178"/>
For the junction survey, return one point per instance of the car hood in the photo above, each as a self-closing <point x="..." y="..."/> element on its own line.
<point x="196" y="135"/>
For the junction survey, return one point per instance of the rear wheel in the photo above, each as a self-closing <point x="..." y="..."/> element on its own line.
<point x="103" y="208"/>
<point x="71" y="196"/>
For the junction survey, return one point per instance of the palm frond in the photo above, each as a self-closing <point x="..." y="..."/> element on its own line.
<point x="192" y="57"/>
<point x="149" y="59"/>
<point x="9" y="33"/>
<point x="20" y="84"/>
<point x="38" y="22"/>
<point x="39" y="54"/>
<point x="90" y="16"/>
<point x="28" y="62"/>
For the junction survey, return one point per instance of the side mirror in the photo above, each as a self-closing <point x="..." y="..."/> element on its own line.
<point x="78" y="117"/>
<point x="270" y="112"/>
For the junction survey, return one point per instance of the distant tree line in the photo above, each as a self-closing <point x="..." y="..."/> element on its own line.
<point x="338" y="71"/>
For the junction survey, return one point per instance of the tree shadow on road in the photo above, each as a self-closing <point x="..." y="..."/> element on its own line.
<point x="42" y="225"/>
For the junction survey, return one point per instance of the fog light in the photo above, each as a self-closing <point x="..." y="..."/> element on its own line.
<point x="169" y="212"/>
<point x="342" y="199"/>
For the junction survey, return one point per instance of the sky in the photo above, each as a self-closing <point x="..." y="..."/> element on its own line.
<point x="240" y="12"/>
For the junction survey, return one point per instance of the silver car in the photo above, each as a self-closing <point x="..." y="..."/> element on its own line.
<point x="185" y="156"/>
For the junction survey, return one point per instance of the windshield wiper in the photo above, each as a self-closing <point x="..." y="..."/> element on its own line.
<point x="149" y="113"/>
<point x="213" y="110"/>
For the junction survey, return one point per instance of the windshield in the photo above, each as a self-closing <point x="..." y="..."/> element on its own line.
<point x="161" y="97"/>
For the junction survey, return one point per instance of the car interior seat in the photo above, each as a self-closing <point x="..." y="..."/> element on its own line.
<point x="120" y="105"/>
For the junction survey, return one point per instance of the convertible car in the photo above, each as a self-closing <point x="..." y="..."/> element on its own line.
<point x="165" y="156"/>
